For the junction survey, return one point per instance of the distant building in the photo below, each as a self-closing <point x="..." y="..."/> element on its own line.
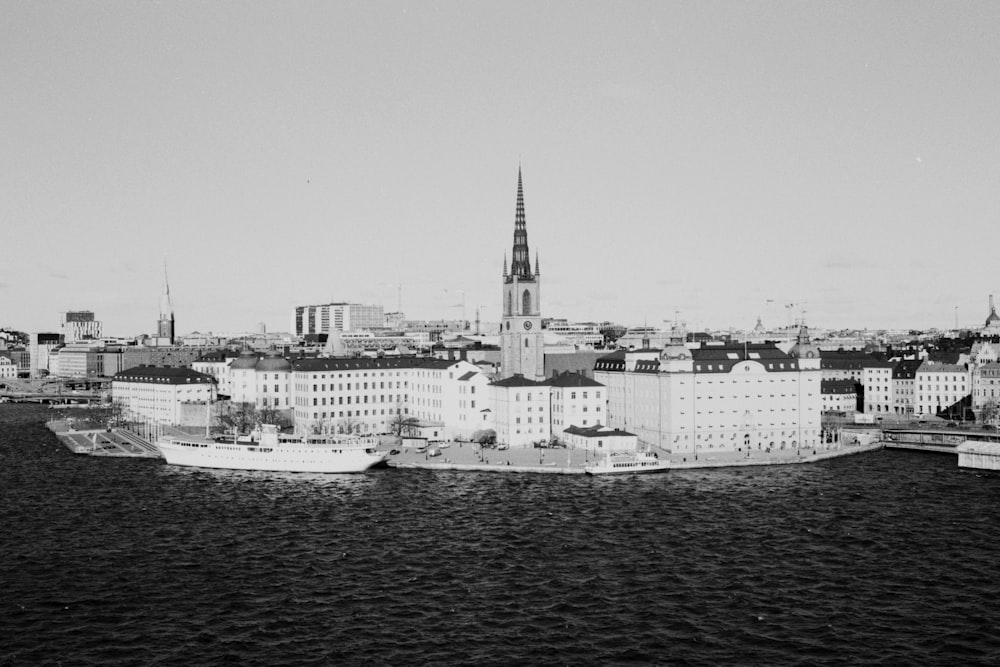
<point x="40" y="345"/>
<point x="80" y="325"/>
<point x="322" y="319"/>
<point x="165" y="325"/>
<point x="992" y="325"/>
<point x="8" y="369"/>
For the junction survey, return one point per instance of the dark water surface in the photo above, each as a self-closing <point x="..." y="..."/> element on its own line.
<point x="882" y="558"/>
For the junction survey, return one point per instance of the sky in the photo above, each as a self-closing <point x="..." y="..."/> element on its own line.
<point x="709" y="162"/>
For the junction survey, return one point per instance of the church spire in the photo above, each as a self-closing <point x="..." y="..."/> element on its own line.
<point x="520" y="266"/>
<point x="538" y="269"/>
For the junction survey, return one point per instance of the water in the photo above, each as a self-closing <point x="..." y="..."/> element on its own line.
<point x="882" y="558"/>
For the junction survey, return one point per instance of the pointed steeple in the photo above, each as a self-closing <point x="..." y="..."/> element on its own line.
<point x="538" y="270"/>
<point x="520" y="265"/>
<point x="505" y="265"/>
<point x="166" y="307"/>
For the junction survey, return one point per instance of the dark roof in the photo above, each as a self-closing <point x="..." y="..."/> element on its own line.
<point x="846" y="361"/>
<point x="906" y="369"/>
<point x="517" y="381"/>
<point x="368" y="363"/>
<point x="162" y="375"/>
<point x="572" y="380"/>
<point x="596" y="431"/>
<point x="722" y="358"/>
<point x="838" y="387"/>
<point x="468" y="375"/>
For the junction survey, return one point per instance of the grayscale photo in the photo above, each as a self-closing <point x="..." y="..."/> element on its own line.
<point x="480" y="332"/>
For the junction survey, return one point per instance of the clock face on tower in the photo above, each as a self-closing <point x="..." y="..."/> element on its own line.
<point x="527" y="325"/>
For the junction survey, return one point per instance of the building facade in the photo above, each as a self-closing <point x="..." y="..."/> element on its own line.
<point x="716" y="398"/>
<point x="941" y="387"/>
<point x="157" y="395"/>
<point x="80" y="325"/>
<point x="324" y="318"/>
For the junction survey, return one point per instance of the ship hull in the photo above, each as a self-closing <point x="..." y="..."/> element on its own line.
<point x="287" y="458"/>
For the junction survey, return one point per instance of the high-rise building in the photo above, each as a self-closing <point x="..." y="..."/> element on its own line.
<point x="521" y="338"/>
<point x="329" y="317"/>
<point x="80" y="325"/>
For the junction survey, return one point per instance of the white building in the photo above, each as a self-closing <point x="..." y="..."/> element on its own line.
<point x="329" y="317"/>
<point x="521" y="411"/>
<point x="40" y="345"/>
<point x="80" y="325"/>
<point x="600" y="439"/>
<point x="940" y="386"/>
<point x="839" y="396"/>
<point x="156" y="394"/>
<point x="217" y="365"/>
<point x="8" y="369"/>
<point x="369" y="395"/>
<point x="717" y="397"/>
<point x="879" y="388"/>
<point x="576" y="400"/>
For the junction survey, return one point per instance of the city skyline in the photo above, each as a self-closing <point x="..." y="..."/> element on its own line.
<point x="716" y="160"/>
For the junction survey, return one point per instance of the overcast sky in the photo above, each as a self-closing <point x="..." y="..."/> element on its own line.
<point x="693" y="157"/>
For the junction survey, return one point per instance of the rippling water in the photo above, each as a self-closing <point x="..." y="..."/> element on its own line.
<point x="883" y="558"/>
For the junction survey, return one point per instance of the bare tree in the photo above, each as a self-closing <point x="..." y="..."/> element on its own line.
<point x="239" y="417"/>
<point x="990" y="411"/>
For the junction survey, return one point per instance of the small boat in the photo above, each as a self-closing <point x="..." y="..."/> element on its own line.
<point x="268" y="450"/>
<point x="620" y="463"/>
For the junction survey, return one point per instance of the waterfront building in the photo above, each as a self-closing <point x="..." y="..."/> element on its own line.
<point x="8" y="369"/>
<point x="940" y="387"/>
<point x="264" y="381"/>
<point x="369" y="395"/>
<point x="341" y="316"/>
<point x="599" y="439"/>
<point x="80" y="325"/>
<point x="158" y="395"/>
<point x="216" y="364"/>
<point x="904" y="375"/>
<point x="716" y="397"/>
<point x="521" y="337"/>
<point x="521" y="411"/>
<point x="839" y="396"/>
<point x="576" y="400"/>
<point x="878" y="387"/>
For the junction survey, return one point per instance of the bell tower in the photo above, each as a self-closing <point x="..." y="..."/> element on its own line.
<point x="521" y="338"/>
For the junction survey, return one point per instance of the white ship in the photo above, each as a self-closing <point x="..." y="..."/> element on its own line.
<point x="274" y="452"/>
<point x="619" y="463"/>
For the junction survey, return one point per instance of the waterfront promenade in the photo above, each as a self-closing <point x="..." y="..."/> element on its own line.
<point x="470" y="457"/>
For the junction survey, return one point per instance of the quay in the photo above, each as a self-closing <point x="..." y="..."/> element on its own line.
<point x="980" y="455"/>
<point x="470" y="457"/>
<point x="90" y="440"/>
